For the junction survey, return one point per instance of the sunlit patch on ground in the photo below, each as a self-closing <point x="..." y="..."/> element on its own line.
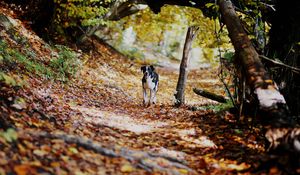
<point x="227" y="164"/>
<point x="171" y="153"/>
<point x="194" y="140"/>
<point x="119" y="121"/>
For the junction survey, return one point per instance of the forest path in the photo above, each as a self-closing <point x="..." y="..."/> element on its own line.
<point x="107" y="100"/>
<point x="96" y="124"/>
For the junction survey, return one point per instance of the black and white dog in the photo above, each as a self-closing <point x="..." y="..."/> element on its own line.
<point x="149" y="81"/>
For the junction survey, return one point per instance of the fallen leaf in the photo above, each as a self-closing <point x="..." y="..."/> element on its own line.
<point x="55" y="164"/>
<point x="40" y="153"/>
<point x="127" y="168"/>
<point x="24" y="169"/>
<point x="183" y="171"/>
<point x="10" y="135"/>
<point x="73" y="150"/>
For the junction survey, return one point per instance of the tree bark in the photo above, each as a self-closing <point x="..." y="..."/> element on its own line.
<point x="180" y="88"/>
<point x="283" y="136"/>
<point x="210" y="95"/>
<point x="258" y="79"/>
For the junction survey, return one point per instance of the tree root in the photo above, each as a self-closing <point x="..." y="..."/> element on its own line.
<point x="145" y="160"/>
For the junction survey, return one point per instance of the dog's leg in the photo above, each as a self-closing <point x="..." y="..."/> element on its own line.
<point x="145" y="101"/>
<point x="153" y="92"/>
<point x="152" y="96"/>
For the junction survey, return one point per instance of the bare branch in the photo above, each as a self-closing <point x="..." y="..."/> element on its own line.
<point x="268" y="5"/>
<point x="294" y="69"/>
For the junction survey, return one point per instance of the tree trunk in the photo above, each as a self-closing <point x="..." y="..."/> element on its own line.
<point x="258" y="79"/>
<point x="191" y="33"/>
<point x="284" y="139"/>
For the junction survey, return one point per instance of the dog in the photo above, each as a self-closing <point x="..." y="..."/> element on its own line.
<point x="149" y="81"/>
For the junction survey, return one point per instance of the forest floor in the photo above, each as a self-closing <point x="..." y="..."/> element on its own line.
<point x="95" y="123"/>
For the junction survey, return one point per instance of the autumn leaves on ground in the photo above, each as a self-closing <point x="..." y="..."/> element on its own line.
<point x="95" y="122"/>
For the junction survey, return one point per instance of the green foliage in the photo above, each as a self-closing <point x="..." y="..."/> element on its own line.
<point x="70" y="13"/>
<point x="174" y="46"/>
<point x="175" y="19"/>
<point x="62" y="67"/>
<point x="66" y="64"/>
<point x="216" y="108"/>
<point x="208" y="54"/>
<point x="229" y="56"/>
<point x="12" y="58"/>
<point x="133" y="53"/>
<point x="8" y="80"/>
<point x="9" y="135"/>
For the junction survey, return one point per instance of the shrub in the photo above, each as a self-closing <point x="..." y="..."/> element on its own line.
<point x="12" y="59"/>
<point x="70" y="13"/>
<point x="66" y="63"/>
<point x="62" y="67"/>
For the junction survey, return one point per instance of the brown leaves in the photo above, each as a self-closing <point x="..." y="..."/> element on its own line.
<point x="25" y="169"/>
<point x="103" y="104"/>
<point x="127" y="168"/>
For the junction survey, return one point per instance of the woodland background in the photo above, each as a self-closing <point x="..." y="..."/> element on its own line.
<point x="70" y="88"/>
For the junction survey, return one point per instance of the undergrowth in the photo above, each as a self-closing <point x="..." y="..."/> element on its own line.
<point x="10" y="80"/>
<point x="216" y="108"/>
<point x="66" y="64"/>
<point x="62" y="67"/>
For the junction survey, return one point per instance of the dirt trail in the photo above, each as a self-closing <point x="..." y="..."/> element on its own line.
<point x="108" y="94"/>
<point x="96" y="123"/>
<point x="64" y="123"/>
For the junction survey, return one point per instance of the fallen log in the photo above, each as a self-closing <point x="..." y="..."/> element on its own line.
<point x="210" y="95"/>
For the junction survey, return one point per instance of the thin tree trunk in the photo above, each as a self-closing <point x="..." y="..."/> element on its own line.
<point x="280" y="131"/>
<point x="191" y="33"/>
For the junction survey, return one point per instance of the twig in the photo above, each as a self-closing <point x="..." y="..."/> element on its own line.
<point x="220" y="74"/>
<point x="295" y="69"/>
<point x="44" y="116"/>
<point x="227" y="90"/>
<point x="268" y="5"/>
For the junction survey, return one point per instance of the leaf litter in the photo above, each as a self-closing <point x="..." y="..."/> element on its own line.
<point x="102" y="108"/>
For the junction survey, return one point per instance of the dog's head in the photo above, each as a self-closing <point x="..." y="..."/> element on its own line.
<point x="147" y="70"/>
